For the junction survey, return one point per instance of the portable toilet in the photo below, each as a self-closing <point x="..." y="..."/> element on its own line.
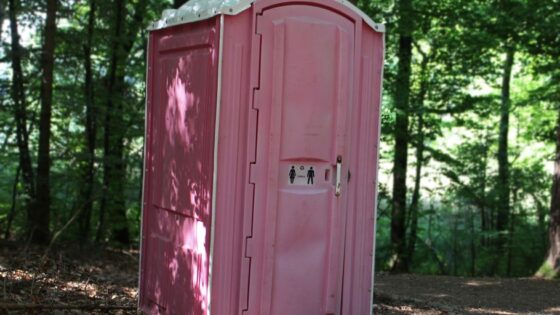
<point x="261" y="154"/>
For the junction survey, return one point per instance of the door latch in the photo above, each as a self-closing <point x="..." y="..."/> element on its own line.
<point x="338" y="175"/>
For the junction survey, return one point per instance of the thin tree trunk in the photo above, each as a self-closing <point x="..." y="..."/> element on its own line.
<point x="510" y="244"/>
<point x="485" y="222"/>
<point x="113" y="189"/>
<point x="503" y="164"/>
<point x="41" y="209"/>
<point x="414" y="204"/>
<point x="402" y="94"/>
<point x="541" y="214"/>
<point x="551" y="265"/>
<point x="473" y="243"/>
<point x="20" y="113"/>
<point x="455" y="243"/>
<point x="12" y="212"/>
<point x="90" y="130"/>
<point x="114" y="168"/>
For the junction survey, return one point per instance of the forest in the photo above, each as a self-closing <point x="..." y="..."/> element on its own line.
<point x="469" y="174"/>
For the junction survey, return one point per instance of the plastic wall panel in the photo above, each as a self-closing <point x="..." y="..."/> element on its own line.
<point x="178" y="187"/>
<point x="232" y="164"/>
<point x="360" y="233"/>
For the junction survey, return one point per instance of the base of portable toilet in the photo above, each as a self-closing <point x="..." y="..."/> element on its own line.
<point x="260" y="176"/>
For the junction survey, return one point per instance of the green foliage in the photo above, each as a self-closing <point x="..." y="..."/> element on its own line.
<point x="458" y="51"/>
<point x="68" y="144"/>
<point x="457" y="57"/>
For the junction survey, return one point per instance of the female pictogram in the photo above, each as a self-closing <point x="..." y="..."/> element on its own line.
<point x="292" y="174"/>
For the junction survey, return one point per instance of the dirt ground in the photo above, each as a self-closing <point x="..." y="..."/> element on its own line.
<point x="415" y="294"/>
<point x="104" y="281"/>
<point x="94" y="281"/>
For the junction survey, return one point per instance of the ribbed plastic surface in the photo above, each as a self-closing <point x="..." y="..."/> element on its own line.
<point x="196" y="10"/>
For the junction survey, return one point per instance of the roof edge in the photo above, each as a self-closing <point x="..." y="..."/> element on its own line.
<point x="178" y="17"/>
<point x="379" y="27"/>
<point x="186" y="17"/>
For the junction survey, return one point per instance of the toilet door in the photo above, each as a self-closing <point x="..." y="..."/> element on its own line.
<point x="304" y="100"/>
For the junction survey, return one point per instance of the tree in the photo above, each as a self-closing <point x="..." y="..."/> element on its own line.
<point x="506" y="31"/>
<point x="414" y="204"/>
<point x="401" y="99"/>
<point x="20" y="116"/>
<point x="551" y="265"/>
<point x="548" y="46"/>
<point x="113" y="200"/>
<point x="90" y="123"/>
<point x="40" y="209"/>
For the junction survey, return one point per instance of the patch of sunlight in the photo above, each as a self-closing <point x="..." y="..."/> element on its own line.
<point x="130" y="292"/>
<point x="554" y="309"/>
<point x="488" y="311"/>
<point x="18" y="275"/>
<point x="437" y="295"/>
<point x="89" y="288"/>
<point x="479" y="283"/>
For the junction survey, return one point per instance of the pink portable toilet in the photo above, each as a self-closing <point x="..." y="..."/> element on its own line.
<point x="260" y="175"/>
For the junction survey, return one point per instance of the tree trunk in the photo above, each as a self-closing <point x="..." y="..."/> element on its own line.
<point x="541" y="214"/>
<point x="485" y="222"/>
<point x="414" y="204"/>
<point x="41" y="208"/>
<point x="112" y="202"/>
<point x="551" y="265"/>
<point x="20" y="113"/>
<point x="503" y="164"/>
<point x="473" y="242"/>
<point x="12" y="212"/>
<point x="90" y="130"/>
<point x="455" y="243"/>
<point x="114" y="168"/>
<point x="402" y="93"/>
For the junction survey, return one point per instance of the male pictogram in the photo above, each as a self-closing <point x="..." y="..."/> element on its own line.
<point x="292" y="175"/>
<point x="310" y="175"/>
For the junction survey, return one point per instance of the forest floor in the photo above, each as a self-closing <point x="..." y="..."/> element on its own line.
<point x="430" y="295"/>
<point x="84" y="281"/>
<point x="104" y="281"/>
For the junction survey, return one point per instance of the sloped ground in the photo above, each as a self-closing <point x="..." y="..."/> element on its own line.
<point x="104" y="281"/>
<point x="415" y="294"/>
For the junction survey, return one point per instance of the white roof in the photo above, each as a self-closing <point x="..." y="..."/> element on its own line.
<point x="196" y="10"/>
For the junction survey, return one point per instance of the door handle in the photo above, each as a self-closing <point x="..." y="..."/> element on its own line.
<point x="338" y="175"/>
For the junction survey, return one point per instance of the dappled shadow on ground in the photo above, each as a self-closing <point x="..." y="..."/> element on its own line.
<point x="88" y="278"/>
<point x="415" y="294"/>
<point x="108" y="278"/>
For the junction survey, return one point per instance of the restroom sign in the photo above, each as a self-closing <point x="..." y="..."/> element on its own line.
<point x="299" y="174"/>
